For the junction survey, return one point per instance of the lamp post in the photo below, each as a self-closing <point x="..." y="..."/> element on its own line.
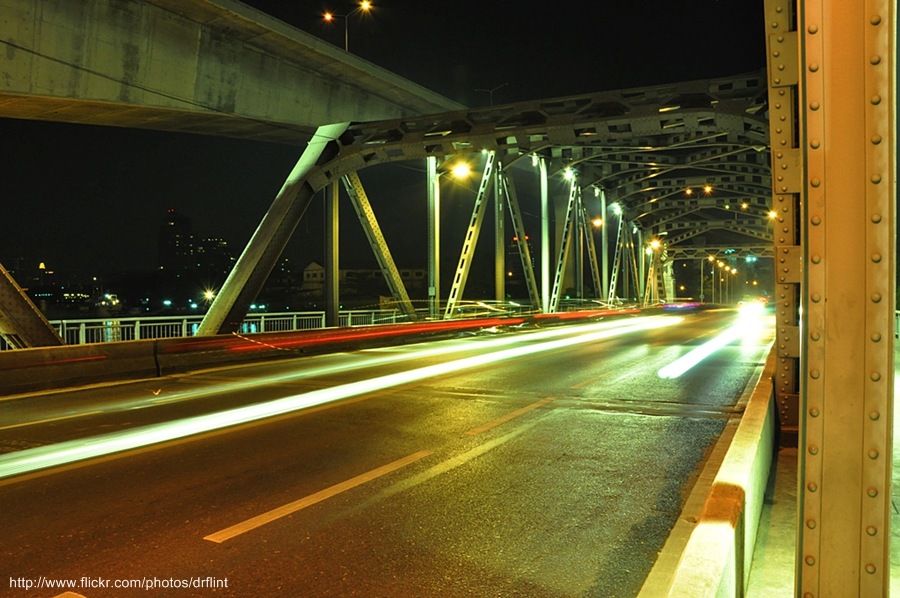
<point x="363" y="6"/>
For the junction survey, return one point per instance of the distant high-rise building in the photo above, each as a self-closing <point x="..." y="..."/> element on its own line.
<point x="213" y="256"/>
<point x="176" y="243"/>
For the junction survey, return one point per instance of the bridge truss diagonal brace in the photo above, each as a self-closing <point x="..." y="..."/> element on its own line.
<point x="379" y="246"/>
<point x="515" y="212"/>
<point x="591" y="251"/>
<point x="259" y="257"/>
<point x="565" y="246"/>
<point x="471" y="239"/>
<point x="22" y="325"/>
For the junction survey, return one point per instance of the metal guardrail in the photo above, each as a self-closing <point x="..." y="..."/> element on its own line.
<point x="105" y="330"/>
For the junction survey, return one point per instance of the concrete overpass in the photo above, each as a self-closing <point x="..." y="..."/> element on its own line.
<point x="216" y="67"/>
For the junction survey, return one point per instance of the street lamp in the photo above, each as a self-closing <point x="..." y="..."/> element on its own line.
<point x="363" y="6"/>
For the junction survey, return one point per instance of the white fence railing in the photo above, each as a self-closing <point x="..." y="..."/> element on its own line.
<point x="105" y="330"/>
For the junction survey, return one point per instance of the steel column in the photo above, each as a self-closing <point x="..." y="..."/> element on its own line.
<point x="499" y="241"/>
<point x="545" y="236"/>
<point x="848" y="133"/>
<point x="604" y="243"/>
<point x="332" y="261"/>
<point x="434" y="238"/>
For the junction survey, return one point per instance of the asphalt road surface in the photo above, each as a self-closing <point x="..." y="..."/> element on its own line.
<point x="544" y="463"/>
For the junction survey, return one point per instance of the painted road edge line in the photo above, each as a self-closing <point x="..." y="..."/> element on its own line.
<point x="297" y="505"/>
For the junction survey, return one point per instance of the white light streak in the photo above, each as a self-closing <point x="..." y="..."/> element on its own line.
<point x="43" y="457"/>
<point x="748" y="322"/>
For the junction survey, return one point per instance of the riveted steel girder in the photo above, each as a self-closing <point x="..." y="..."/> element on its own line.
<point x="847" y="73"/>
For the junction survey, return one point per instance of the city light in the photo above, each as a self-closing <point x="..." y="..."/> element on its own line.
<point x="568" y="173"/>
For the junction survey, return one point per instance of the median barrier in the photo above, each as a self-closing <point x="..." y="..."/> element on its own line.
<point x="718" y="555"/>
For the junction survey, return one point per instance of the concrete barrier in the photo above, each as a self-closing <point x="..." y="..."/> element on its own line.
<point x="32" y="370"/>
<point x="716" y="560"/>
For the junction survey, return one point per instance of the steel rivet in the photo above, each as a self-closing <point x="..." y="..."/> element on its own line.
<point x="874" y="416"/>
<point x="816" y="297"/>
<point x="814" y="412"/>
<point x="814" y="144"/>
<point x="779" y="9"/>
<point x="871" y="530"/>
<point x="777" y="104"/>
<point x="876" y="337"/>
<point x="813" y="449"/>
<point x="875" y="59"/>
<point x="776" y="53"/>
<point x="876" y="218"/>
<point x="876" y="297"/>
<point x="814" y="374"/>
<point x="876" y="178"/>
<point x="816" y="221"/>
<point x="812" y="486"/>
<point x="810" y="560"/>
<point x="816" y="259"/>
<point x="873" y="454"/>
<point x="780" y="38"/>
<point x="813" y="67"/>
<point x="870" y="568"/>
<point x="777" y="81"/>
<point x="811" y="523"/>
<point x="875" y="20"/>
<point x="816" y="182"/>
<point x="781" y="92"/>
<point x="872" y="492"/>
<point x="876" y="139"/>
<point x="780" y="177"/>
<point x="876" y="99"/>
<point x="876" y="257"/>
<point x="814" y="106"/>
<point x="815" y="336"/>
<point x="875" y="376"/>
<point x="813" y="29"/>
<point x="780" y="67"/>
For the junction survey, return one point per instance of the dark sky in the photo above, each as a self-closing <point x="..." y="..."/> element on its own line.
<point x="89" y="200"/>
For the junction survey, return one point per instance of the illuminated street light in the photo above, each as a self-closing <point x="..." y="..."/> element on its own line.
<point x="329" y="17"/>
<point x="772" y="214"/>
<point x="568" y="174"/>
<point x="707" y="189"/>
<point x="597" y="222"/>
<point x="617" y="209"/>
<point x="461" y="170"/>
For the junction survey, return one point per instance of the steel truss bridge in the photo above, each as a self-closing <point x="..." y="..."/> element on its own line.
<point x="686" y="166"/>
<point x="828" y="219"/>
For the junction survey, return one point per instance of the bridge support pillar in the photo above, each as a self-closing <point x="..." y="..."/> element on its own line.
<point x="847" y="67"/>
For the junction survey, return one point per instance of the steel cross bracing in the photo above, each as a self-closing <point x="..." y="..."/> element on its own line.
<point x="515" y="212"/>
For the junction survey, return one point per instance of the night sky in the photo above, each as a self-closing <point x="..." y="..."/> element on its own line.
<point x="89" y="200"/>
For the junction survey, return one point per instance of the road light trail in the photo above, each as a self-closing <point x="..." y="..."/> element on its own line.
<point x="63" y="453"/>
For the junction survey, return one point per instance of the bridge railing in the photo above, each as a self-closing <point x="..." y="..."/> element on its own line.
<point x="112" y="329"/>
